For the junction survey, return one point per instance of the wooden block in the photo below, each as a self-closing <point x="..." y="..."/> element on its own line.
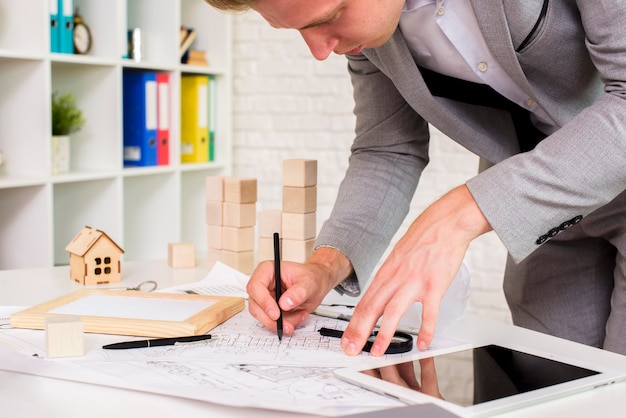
<point x="265" y="248"/>
<point x="297" y="250"/>
<point x="214" y="236"/>
<point x="242" y="261"/>
<point x="181" y="255"/>
<point x="214" y="212"/>
<point x="240" y="190"/>
<point x="214" y="188"/>
<point x="238" y="239"/>
<point x="239" y="214"/>
<point x="270" y="221"/>
<point x="300" y="226"/>
<point x="213" y="256"/>
<point x="299" y="199"/>
<point x="300" y="173"/>
<point x="64" y="336"/>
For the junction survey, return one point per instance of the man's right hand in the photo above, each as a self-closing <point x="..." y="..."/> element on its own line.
<point x="304" y="286"/>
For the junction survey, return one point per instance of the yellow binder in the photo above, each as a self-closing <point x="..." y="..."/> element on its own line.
<point x="194" y="115"/>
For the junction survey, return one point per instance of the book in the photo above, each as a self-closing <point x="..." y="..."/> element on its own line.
<point x="186" y="43"/>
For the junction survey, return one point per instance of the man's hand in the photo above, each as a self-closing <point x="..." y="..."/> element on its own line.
<point x="404" y="374"/>
<point x="419" y="269"/>
<point x="304" y="287"/>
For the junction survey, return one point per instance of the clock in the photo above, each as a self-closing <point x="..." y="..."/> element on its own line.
<point x="82" y="35"/>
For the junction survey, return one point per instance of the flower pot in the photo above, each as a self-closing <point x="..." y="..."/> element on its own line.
<point x="60" y="154"/>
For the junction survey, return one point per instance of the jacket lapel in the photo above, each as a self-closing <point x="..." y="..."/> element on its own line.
<point x="492" y="20"/>
<point x="471" y="126"/>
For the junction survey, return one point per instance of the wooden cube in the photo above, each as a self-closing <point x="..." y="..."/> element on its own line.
<point x="239" y="214"/>
<point x="299" y="173"/>
<point x="213" y="256"/>
<point x="300" y="226"/>
<point x="214" y="186"/>
<point x="265" y="248"/>
<point x="240" y="190"/>
<point x="214" y="236"/>
<point x="214" y="212"/>
<point x="181" y="255"/>
<point x="242" y="261"/>
<point x="238" y="239"/>
<point x="270" y="221"/>
<point x="297" y="250"/>
<point x="65" y="336"/>
<point x="299" y="199"/>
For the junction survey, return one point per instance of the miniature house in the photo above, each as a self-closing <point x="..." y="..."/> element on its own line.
<point x="94" y="257"/>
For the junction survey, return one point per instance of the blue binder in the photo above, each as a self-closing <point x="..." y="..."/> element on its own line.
<point x="53" y="6"/>
<point x="66" y="26"/>
<point x="140" y="118"/>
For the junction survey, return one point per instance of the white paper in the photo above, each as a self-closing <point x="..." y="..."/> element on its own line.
<point x="244" y="365"/>
<point x="133" y="307"/>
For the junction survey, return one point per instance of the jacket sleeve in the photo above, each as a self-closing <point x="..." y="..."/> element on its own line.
<point x="388" y="155"/>
<point x="534" y="196"/>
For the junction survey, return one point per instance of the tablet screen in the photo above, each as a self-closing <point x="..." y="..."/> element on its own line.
<point x="480" y="374"/>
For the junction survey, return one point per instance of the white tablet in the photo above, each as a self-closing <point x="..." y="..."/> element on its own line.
<point x="479" y="380"/>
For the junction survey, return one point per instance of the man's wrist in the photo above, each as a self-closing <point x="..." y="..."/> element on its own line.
<point x="337" y="265"/>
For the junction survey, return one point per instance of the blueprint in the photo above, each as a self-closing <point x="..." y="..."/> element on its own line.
<point x="243" y="364"/>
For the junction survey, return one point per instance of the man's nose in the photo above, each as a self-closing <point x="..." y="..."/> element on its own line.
<point x="319" y="43"/>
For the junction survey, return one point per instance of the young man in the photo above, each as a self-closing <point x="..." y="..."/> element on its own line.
<point x="537" y="89"/>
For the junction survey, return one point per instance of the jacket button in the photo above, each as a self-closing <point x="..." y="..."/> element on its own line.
<point x="565" y="225"/>
<point x="576" y="219"/>
<point x="541" y="239"/>
<point x="553" y="232"/>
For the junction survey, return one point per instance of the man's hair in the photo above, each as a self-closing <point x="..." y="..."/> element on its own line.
<point x="231" y="5"/>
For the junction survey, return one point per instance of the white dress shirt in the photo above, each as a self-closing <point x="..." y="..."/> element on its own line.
<point x="444" y="36"/>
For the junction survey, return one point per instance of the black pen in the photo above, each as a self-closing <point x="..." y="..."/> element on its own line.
<point x="156" y="342"/>
<point x="279" y="321"/>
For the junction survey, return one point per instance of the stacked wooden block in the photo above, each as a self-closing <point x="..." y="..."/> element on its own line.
<point x="230" y="219"/>
<point x="299" y="212"/>
<point x="296" y="222"/>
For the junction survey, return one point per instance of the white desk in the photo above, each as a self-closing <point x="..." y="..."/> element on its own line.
<point x="33" y="396"/>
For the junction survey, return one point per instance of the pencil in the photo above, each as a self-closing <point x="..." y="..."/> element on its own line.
<point x="279" y="321"/>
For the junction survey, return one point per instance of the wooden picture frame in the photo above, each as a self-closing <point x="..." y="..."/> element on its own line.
<point x="141" y="314"/>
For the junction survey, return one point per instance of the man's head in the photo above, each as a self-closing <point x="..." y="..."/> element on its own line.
<point x="339" y="26"/>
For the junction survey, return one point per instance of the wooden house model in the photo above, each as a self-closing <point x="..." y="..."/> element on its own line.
<point x="94" y="257"/>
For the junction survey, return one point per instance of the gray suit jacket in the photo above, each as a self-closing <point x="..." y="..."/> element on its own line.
<point x="574" y="66"/>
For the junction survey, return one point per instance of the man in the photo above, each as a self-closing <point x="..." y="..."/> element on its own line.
<point x="537" y="89"/>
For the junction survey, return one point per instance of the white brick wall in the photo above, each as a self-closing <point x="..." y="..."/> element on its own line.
<point x="288" y="105"/>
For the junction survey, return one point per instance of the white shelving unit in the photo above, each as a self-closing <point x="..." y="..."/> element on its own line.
<point x="142" y="208"/>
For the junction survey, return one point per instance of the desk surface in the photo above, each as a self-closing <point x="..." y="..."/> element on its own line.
<point x="57" y="398"/>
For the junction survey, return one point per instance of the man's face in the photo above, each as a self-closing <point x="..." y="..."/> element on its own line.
<point x="339" y="26"/>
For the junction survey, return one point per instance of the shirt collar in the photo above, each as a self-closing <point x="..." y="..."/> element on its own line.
<point x="411" y="5"/>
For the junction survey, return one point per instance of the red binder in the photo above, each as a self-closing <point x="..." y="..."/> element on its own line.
<point x="163" y="124"/>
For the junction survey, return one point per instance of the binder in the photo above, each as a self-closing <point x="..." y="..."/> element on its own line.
<point x="66" y="26"/>
<point x="194" y="127"/>
<point x="212" y="115"/>
<point x="53" y="6"/>
<point x="140" y="118"/>
<point x="163" y="121"/>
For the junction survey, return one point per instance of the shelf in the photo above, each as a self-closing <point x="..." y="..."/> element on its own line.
<point x="141" y="208"/>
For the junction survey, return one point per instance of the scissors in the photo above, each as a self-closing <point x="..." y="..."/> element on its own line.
<point x="401" y="342"/>
<point x="145" y="286"/>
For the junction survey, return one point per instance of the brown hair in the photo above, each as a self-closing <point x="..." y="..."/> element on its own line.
<point x="231" y="5"/>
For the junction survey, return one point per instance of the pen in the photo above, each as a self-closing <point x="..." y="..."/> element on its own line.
<point x="156" y="342"/>
<point x="279" y="321"/>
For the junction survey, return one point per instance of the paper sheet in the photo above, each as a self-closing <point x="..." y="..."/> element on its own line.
<point x="244" y="365"/>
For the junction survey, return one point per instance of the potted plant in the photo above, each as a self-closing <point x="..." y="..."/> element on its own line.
<point x="67" y="118"/>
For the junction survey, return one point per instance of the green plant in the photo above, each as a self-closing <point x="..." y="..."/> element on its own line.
<point x="66" y="116"/>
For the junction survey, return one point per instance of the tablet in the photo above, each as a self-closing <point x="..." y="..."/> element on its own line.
<point x="479" y="380"/>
